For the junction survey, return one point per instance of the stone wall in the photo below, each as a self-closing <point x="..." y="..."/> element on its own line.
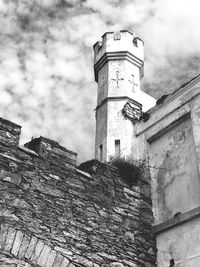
<point x="53" y="214"/>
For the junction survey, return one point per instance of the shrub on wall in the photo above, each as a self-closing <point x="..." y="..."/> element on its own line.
<point x="129" y="170"/>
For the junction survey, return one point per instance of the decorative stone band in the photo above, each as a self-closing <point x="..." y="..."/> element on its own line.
<point x="122" y="55"/>
<point x="119" y="98"/>
<point x="19" y="247"/>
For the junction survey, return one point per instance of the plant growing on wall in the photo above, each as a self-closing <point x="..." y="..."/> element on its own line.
<point x="129" y="171"/>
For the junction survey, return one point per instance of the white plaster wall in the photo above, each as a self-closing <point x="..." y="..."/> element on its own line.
<point x="171" y="138"/>
<point x="181" y="243"/>
<point x="174" y="172"/>
<point x="174" y="151"/>
<point x="118" y="128"/>
<point x="195" y="116"/>
<point x="102" y="84"/>
<point x="124" y="44"/>
<point x="125" y="70"/>
<point x="118" y="77"/>
<point x="125" y="87"/>
<point x="138" y="146"/>
<point x="101" y="131"/>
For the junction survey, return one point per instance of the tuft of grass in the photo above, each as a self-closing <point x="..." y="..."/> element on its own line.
<point x="129" y="171"/>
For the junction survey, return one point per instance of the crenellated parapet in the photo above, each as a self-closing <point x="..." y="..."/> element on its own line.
<point x="118" y="46"/>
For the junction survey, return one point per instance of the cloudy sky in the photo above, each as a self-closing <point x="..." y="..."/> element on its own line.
<point x="46" y="59"/>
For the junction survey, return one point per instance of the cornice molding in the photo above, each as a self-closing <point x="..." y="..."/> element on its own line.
<point x="176" y="221"/>
<point x="118" y="98"/>
<point x="187" y="92"/>
<point x="178" y="92"/>
<point x="119" y="55"/>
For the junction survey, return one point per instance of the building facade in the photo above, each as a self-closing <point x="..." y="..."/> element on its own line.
<point x="167" y="137"/>
<point x="170" y="140"/>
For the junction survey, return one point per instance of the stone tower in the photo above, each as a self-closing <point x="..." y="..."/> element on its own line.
<point x="118" y="68"/>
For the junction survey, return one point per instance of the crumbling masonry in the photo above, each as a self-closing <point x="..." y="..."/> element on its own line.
<point x="54" y="214"/>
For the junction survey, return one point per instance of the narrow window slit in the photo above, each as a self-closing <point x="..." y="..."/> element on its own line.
<point x="117" y="148"/>
<point x="101" y="152"/>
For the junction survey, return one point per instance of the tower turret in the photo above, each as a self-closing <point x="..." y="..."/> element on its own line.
<point x="118" y="68"/>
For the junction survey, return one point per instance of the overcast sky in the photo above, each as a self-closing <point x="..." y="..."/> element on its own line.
<point x="46" y="59"/>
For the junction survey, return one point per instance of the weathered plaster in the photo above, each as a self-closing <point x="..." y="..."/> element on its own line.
<point x="171" y="141"/>
<point x="101" y="130"/>
<point x="103" y="84"/>
<point x="173" y="166"/>
<point x="181" y="243"/>
<point x="195" y="116"/>
<point x="118" y="128"/>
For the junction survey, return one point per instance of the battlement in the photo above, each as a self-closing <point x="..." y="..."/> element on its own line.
<point x="122" y="45"/>
<point x="119" y="42"/>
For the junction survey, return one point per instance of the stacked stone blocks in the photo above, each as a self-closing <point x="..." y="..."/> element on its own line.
<point x="55" y="214"/>
<point x="30" y="249"/>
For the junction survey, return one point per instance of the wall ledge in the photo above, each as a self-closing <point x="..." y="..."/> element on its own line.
<point x="84" y="173"/>
<point x="28" y="151"/>
<point x="52" y="151"/>
<point x="176" y="221"/>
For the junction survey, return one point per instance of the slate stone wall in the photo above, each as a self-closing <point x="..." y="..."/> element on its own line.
<point x="53" y="214"/>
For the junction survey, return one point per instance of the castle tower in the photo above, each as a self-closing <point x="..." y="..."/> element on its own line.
<point x="118" y="68"/>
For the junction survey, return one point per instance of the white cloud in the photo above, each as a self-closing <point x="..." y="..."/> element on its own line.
<point x="172" y="43"/>
<point x="46" y="59"/>
<point x="5" y="98"/>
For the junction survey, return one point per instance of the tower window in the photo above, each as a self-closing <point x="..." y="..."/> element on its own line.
<point x="117" y="147"/>
<point x="101" y="152"/>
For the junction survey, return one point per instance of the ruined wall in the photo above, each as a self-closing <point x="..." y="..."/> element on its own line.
<point x="53" y="214"/>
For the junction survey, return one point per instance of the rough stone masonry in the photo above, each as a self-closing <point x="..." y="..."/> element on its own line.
<point x="54" y="214"/>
